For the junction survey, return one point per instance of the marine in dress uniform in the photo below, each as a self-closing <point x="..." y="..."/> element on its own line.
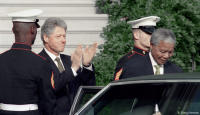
<point x="147" y="25"/>
<point x="25" y="77"/>
<point x="68" y="80"/>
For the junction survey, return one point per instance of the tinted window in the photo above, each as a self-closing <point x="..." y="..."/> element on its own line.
<point x="84" y="94"/>
<point x="140" y="99"/>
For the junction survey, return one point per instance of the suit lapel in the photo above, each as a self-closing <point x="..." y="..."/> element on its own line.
<point x="53" y="65"/>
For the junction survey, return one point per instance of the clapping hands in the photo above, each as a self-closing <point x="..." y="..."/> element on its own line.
<point x="83" y="56"/>
<point x="88" y="54"/>
<point x="76" y="58"/>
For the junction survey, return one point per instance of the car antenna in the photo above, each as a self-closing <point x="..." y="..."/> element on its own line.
<point x="134" y="103"/>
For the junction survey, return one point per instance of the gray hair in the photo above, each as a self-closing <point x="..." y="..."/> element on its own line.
<point x="50" y="24"/>
<point x="162" y="34"/>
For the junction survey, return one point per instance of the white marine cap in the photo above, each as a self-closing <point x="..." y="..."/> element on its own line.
<point x="146" y="21"/>
<point x="26" y="16"/>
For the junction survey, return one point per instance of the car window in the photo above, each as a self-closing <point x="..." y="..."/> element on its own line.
<point x="84" y="94"/>
<point x="140" y="99"/>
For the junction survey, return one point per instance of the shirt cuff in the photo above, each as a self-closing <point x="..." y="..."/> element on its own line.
<point x="89" y="67"/>
<point x="74" y="72"/>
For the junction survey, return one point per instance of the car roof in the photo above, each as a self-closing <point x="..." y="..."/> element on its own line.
<point x="173" y="76"/>
<point x="166" y="78"/>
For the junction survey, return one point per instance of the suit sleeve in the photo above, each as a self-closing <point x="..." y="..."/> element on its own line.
<point x="87" y="77"/>
<point x="172" y="68"/>
<point x="177" y="69"/>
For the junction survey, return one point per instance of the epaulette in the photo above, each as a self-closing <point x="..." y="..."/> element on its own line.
<point x="140" y="51"/>
<point x="131" y="53"/>
<point x="125" y="57"/>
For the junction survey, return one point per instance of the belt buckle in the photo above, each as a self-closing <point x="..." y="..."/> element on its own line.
<point x="30" y="107"/>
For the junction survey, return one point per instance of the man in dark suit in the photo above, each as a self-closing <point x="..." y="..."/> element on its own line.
<point x="25" y="77"/>
<point x="156" y="62"/>
<point x="142" y="29"/>
<point x="70" y="71"/>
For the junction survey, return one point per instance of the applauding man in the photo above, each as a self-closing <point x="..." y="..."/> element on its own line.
<point x="70" y="71"/>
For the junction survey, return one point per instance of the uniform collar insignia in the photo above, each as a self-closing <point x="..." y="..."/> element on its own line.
<point x="144" y="52"/>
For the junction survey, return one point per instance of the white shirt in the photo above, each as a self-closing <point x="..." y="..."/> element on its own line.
<point x="53" y="57"/>
<point x="153" y="62"/>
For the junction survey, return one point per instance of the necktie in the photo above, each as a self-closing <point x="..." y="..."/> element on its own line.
<point x="157" y="69"/>
<point x="60" y="67"/>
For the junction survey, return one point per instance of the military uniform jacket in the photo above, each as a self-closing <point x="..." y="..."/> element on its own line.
<point x="25" y="78"/>
<point x="66" y="85"/>
<point x="136" y="52"/>
<point x="140" y="66"/>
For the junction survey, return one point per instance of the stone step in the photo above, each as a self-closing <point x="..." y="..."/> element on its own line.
<point x="62" y="7"/>
<point x="72" y="37"/>
<point x="48" y="1"/>
<point x="93" y="22"/>
<point x="69" y="49"/>
<point x="84" y="25"/>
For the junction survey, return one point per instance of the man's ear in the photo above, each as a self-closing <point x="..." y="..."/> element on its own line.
<point x="46" y="39"/>
<point x="136" y="34"/>
<point x="33" y="30"/>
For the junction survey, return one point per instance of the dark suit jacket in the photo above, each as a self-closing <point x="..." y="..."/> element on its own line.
<point x="141" y="65"/>
<point x="66" y="85"/>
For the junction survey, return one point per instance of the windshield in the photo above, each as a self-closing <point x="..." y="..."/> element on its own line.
<point x="141" y="99"/>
